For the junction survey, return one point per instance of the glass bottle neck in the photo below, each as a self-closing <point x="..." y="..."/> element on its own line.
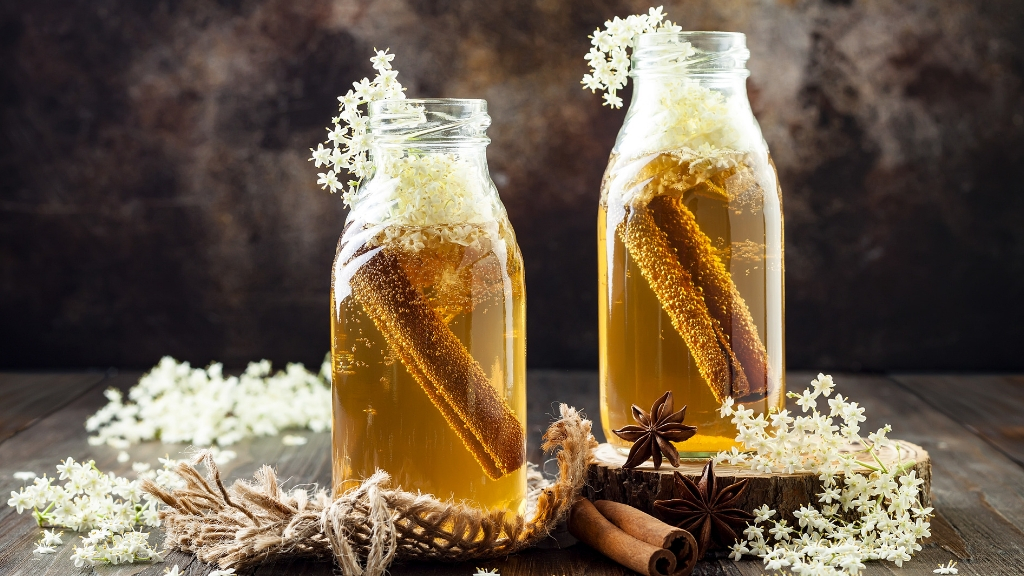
<point x="388" y="151"/>
<point x="650" y="87"/>
<point x="679" y="111"/>
<point x="427" y="184"/>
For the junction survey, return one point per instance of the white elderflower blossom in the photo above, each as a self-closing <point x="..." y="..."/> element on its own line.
<point x="348" y="142"/>
<point x="689" y="117"/>
<point x="419" y="200"/>
<point x="609" y="56"/>
<point x="108" y="506"/>
<point x="51" y="538"/>
<point x="176" y="403"/>
<point x="888" y="517"/>
<point x="949" y="568"/>
<point x="415" y="198"/>
<point x="292" y="440"/>
<point x="223" y="572"/>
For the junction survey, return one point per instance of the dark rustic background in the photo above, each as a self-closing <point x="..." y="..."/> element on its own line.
<point x="155" y="196"/>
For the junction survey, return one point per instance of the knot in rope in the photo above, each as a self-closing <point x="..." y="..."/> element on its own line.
<point x="339" y="522"/>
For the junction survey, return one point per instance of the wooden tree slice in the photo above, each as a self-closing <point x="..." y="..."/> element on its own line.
<point x="785" y="493"/>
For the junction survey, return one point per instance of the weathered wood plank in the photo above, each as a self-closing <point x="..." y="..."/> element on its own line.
<point x="61" y="434"/>
<point x="979" y="492"/>
<point x="27" y="397"/>
<point x="545" y="390"/>
<point x="578" y="560"/>
<point x="991" y="406"/>
<point x="39" y="448"/>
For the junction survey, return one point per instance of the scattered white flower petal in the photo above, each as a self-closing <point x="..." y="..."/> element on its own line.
<point x="123" y="457"/>
<point x="292" y="440"/>
<point x="222" y="456"/>
<point x="176" y="403"/>
<point x="19" y="501"/>
<point x="949" y="568"/>
<point x="52" y="538"/>
<point x="44" y="549"/>
<point x="24" y="476"/>
<point x="223" y="572"/>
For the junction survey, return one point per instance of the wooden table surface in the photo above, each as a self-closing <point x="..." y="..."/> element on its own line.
<point x="973" y="427"/>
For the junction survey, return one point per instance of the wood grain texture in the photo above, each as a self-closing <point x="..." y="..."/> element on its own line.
<point x="640" y="487"/>
<point x="27" y="397"/>
<point x="991" y="406"/>
<point x="977" y="490"/>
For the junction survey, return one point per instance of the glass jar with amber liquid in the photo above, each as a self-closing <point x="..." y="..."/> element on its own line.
<point x="690" y="244"/>
<point x="428" y="342"/>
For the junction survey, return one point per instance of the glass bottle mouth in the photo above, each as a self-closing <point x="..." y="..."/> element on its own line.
<point x="691" y="53"/>
<point x="442" y="121"/>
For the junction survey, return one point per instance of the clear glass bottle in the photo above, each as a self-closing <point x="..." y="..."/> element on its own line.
<point x="690" y="244"/>
<point x="428" y="314"/>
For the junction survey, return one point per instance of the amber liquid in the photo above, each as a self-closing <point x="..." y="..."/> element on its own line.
<point x="643" y="354"/>
<point x="383" y="419"/>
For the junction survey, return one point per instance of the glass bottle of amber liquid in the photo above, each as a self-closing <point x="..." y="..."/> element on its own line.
<point x="428" y="315"/>
<point x="690" y="244"/>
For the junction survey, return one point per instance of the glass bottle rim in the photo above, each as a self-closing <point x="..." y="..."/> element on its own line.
<point x="695" y="52"/>
<point x="419" y="121"/>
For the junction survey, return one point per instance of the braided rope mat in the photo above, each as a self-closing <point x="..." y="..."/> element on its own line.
<point x="366" y="528"/>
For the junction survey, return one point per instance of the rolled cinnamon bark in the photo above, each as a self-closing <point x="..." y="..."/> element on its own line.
<point x="682" y="301"/>
<point x="444" y="368"/>
<point x="455" y="279"/>
<point x="724" y="302"/>
<point x="590" y="527"/>
<point x="649" y="529"/>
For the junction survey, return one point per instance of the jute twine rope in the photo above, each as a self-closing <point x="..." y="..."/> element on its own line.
<point x="366" y="528"/>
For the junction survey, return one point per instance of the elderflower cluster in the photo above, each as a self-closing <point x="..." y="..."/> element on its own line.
<point x="176" y="403"/>
<point x="867" y="511"/>
<point x="414" y="198"/>
<point x="690" y="118"/>
<point x="349" y="140"/>
<point x="705" y="127"/>
<point x="110" y="507"/>
<point x="423" y="200"/>
<point x="609" y="55"/>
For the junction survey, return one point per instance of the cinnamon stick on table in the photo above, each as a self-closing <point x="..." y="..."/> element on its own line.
<point x="682" y="301"/>
<point x="696" y="254"/>
<point x="649" y="529"/>
<point x="444" y="368"/>
<point x="588" y="525"/>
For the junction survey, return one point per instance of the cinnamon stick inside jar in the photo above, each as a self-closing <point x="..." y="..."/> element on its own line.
<point x="441" y="364"/>
<point x="649" y="529"/>
<point x="696" y="254"/>
<point x="683" y="302"/>
<point x="588" y="525"/>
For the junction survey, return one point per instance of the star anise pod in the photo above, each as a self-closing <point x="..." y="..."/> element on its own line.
<point x="707" y="510"/>
<point x="658" y="429"/>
